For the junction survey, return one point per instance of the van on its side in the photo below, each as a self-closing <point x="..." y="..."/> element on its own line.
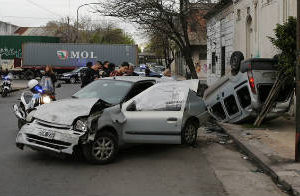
<point x="239" y="97"/>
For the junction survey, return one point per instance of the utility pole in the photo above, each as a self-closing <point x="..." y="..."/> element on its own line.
<point x="297" y="143"/>
<point x="77" y="17"/>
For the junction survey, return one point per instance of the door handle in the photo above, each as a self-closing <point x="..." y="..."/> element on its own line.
<point x="172" y="119"/>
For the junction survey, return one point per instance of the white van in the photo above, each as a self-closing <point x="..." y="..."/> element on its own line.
<point x="239" y="97"/>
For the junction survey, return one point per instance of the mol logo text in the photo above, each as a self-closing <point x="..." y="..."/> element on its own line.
<point x="64" y="54"/>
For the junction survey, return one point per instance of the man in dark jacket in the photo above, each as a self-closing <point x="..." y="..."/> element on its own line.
<point x="90" y="74"/>
<point x="106" y="70"/>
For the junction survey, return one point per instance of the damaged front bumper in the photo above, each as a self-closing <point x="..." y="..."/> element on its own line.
<point x="46" y="137"/>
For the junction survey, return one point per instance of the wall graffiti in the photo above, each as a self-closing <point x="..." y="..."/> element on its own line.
<point x="10" y="53"/>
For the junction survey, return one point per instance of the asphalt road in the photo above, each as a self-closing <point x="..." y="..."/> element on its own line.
<point x="209" y="169"/>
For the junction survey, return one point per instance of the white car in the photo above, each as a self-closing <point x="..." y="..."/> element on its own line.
<point x="109" y="113"/>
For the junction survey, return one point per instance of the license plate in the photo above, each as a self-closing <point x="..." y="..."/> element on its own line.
<point x="46" y="134"/>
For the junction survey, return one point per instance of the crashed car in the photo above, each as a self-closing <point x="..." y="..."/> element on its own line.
<point x="109" y="113"/>
<point x="240" y="96"/>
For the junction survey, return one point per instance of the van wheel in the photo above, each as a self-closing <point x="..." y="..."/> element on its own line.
<point x="103" y="149"/>
<point x="189" y="133"/>
<point x="72" y="80"/>
<point x="235" y="61"/>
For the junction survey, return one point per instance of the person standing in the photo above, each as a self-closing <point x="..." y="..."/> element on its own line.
<point x="130" y="71"/>
<point x="49" y="73"/>
<point x="106" y="70"/>
<point x="123" y="69"/>
<point x="90" y="74"/>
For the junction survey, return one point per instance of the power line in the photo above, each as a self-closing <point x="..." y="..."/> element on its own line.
<point x="41" y="7"/>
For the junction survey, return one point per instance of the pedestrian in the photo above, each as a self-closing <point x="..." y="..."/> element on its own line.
<point x="123" y="69"/>
<point x="111" y="67"/>
<point x="106" y="71"/>
<point x="90" y="74"/>
<point x="49" y="73"/>
<point x="130" y="71"/>
<point x="147" y="71"/>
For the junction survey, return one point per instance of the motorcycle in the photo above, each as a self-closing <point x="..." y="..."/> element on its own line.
<point x="6" y="85"/>
<point x="42" y="93"/>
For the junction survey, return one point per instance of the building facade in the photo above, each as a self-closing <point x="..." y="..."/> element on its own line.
<point x="220" y="38"/>
<point x="197" y="38"/>
<point x="250" y="23"/>
<point x="7" y="28"/>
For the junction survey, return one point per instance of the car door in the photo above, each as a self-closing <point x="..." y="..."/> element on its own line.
<point x="155" y="116"/>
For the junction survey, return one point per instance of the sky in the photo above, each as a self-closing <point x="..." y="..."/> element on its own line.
<point x="35" y="13"/>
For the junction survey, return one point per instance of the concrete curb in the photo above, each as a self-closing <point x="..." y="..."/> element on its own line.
<point x="262" y="160"/>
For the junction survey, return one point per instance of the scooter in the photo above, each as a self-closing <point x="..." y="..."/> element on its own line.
<point x="42" y="93"/>
<point x="6" y="85"/>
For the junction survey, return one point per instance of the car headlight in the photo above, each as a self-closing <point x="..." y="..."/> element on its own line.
<point x="81" y="125"/>
<point x="46" y="99"/>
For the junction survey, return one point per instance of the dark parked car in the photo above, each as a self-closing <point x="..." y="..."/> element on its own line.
<point x="73" y="76"/>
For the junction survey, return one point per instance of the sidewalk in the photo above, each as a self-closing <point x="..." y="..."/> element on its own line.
<point x="272" y="147"/>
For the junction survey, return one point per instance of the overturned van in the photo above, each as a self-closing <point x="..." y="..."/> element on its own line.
<point x="239" y="96"/>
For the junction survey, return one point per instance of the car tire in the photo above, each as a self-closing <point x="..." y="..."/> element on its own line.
<point x="189" y="133"/>
<point x="103" y="149"/>
<point x="235" y="62"/>
<point x="72" y="80"/>
<point x="4" y="93"/>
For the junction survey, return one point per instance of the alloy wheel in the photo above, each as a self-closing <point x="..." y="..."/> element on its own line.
<point x="103" y="148"/>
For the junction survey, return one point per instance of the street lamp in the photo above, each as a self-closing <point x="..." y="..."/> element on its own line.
<point x="77" y="25"/>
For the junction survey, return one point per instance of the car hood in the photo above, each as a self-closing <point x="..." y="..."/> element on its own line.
<point x="65" y="111"/>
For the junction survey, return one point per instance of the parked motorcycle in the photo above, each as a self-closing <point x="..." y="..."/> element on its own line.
<point x="6" y="87"/>
<point x="38" y="94"/>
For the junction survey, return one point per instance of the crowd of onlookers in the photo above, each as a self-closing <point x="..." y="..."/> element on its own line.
<point x="105" y="69"/>
<point x="108" y="69"/>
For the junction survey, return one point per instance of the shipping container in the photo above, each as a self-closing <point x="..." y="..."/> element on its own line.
<point x="66" y="55"/>
<point x="11" y="46"/>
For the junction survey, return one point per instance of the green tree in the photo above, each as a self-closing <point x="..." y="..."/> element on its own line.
<point x="285" y="41"/>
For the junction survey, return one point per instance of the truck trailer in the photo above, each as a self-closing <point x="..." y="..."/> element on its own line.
<point x="11" y="51"/>
<point x="69" y="56"/>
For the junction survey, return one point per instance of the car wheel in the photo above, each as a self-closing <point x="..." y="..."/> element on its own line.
<point x="72" y="80"/>
<point x="103" y="149"/>
<point x="189" y="133"/>
<point x="4" y="93"/>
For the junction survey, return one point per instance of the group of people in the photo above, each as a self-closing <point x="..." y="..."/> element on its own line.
<point x="106" y="69"/>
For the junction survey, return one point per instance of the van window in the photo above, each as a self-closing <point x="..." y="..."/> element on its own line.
<point x="218" y="111"/>
<point x="230" y="105"/>
<point x="244" y="97"/>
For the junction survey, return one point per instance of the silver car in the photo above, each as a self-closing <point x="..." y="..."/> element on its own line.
<point x="109" y="113"/>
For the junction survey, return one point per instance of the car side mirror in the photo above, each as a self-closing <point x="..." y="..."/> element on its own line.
<point x="132" y="107"/>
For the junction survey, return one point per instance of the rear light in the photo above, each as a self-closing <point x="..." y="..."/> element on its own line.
<point x="251" y="81"/>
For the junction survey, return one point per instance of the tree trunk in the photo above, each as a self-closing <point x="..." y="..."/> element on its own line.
<point x="189" y="62"/>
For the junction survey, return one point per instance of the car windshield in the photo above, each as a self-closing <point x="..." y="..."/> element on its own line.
<point x="110" y="91"/>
